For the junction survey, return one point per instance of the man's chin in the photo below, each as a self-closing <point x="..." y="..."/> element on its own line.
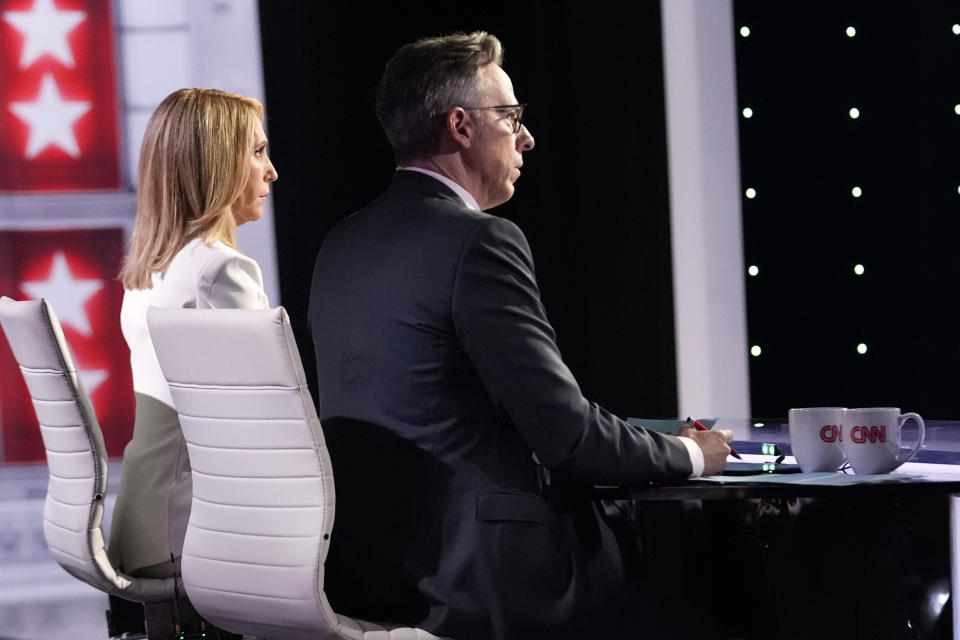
<point x="495" y="203"/>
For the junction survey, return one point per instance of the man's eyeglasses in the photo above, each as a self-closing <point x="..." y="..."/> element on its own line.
<point x="516" y="113"/>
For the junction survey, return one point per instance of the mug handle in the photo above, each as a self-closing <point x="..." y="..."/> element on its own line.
<point x="923" y="434"/>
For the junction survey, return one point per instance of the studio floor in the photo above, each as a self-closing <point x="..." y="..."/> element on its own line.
<point x="38" y="599"/>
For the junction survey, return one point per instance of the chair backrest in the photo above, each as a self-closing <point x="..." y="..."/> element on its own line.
<point x="76" y="456"/>
<point x="263" y="494"/>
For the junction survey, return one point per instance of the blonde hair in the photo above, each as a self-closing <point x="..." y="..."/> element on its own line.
<point x="194" y="161"/>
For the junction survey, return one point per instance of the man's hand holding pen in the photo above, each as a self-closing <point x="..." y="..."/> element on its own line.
<point x="713" y="443"/>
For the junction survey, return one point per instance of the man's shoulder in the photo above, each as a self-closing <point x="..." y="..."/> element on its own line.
<point x="402" y="209"/>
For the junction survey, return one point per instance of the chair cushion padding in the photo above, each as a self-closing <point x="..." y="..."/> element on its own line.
<point x="76" y="456"/>
<point x="263" y="505"/>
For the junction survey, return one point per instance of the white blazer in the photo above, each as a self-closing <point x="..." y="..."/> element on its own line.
<point x="202" y="277"/>
<point x="153" y="501"/>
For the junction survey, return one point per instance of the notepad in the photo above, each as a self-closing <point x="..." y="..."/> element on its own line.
<point x="671" y="427"/>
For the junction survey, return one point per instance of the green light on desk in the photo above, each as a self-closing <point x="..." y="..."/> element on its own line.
<point x="768" y="449"/>
<point x="769" y="467"/>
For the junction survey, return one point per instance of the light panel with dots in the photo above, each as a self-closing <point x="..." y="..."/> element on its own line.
<point x="855" y="156"/>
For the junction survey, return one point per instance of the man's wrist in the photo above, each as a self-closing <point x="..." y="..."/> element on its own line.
<point x="696" y="456"/>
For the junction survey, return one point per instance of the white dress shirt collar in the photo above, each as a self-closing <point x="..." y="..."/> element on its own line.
<point x="468" y="199"/>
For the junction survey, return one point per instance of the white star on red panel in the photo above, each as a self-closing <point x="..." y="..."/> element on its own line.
<point x="67" y="294"/>
<point x="50" y="119"/>
<point x="90" y="379"/>
<point x="45" y="31"/>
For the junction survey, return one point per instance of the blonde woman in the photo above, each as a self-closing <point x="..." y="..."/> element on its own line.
<point x="203" y="171"/>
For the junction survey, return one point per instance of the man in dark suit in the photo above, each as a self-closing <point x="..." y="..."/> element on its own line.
<point x="462" y="446"/>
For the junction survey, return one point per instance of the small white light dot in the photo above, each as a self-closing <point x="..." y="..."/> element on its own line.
<point x="755" y="350"/>
<point x="744" y="31"/>
<point x="861" y="348"/>
<point x="747" y="112"/>
<point x="956" y="29"/>
<point x="758" y="425"/>
<point x="753" y="270"/>
<point x="854" y="113"/>
<point x="851" y="32"/>
<point x="958" y="189"/>
<point x="956" y="109"/>
<point x="858" y="269"/>
<point x="751" y="193"/>
<point x="857" y="192"/>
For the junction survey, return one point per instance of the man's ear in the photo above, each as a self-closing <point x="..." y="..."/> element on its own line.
<point x="461" y="127"/>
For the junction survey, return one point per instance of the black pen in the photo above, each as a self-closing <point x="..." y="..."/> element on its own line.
<point x="699" y="426"/>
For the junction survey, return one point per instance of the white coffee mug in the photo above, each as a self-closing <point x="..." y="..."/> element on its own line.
<point x="815" y="434"/>
<point x="871" y="441"/>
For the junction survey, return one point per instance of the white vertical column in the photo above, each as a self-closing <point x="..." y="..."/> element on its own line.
<point x="703" y="156"/>
<point x="155" y="61"/>
<point x="955" y="562"/>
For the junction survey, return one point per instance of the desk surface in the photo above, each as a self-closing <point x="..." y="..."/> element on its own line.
<point x="806" y="557"/>
<point x="942" y="444"/>
<point x="910" y="479"/>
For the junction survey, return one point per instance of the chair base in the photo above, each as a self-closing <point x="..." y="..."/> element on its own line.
<point x="170" y="620"/>
<point x="125" y="619"/>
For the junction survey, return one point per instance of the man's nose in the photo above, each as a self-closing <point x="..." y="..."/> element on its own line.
<point x="524" y="139"/>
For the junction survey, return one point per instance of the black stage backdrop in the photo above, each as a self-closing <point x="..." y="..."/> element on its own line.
<point x="593" y="197"/>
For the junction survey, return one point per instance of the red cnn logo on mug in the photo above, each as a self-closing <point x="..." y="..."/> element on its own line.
<point x="861" y="434"/>
<point x="831" y="433"/>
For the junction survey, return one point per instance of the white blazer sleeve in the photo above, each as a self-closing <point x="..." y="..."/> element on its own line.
<point x="232" y="283"/>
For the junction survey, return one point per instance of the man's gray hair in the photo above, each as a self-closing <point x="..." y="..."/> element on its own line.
<point x="423" y="81"/>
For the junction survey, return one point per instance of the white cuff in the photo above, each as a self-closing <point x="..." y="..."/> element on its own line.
<point x="696" y="456"/>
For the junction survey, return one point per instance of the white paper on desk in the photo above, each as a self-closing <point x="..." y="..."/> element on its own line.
<point x="823" y="478"/>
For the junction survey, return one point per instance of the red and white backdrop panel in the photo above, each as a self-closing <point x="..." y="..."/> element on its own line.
<point x="58" y="96"/>
<point x="76" y="271"/>
<point x="59" y="133"/>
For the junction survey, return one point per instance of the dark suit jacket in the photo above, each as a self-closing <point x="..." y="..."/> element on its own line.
<point x="439" y="381"/>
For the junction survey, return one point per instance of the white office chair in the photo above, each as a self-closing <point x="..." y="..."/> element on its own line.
<point x="262" y="515"/>
<point x="76" y="457"/>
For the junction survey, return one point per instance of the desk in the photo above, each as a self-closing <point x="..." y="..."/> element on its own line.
<point x="808" y="561"/>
